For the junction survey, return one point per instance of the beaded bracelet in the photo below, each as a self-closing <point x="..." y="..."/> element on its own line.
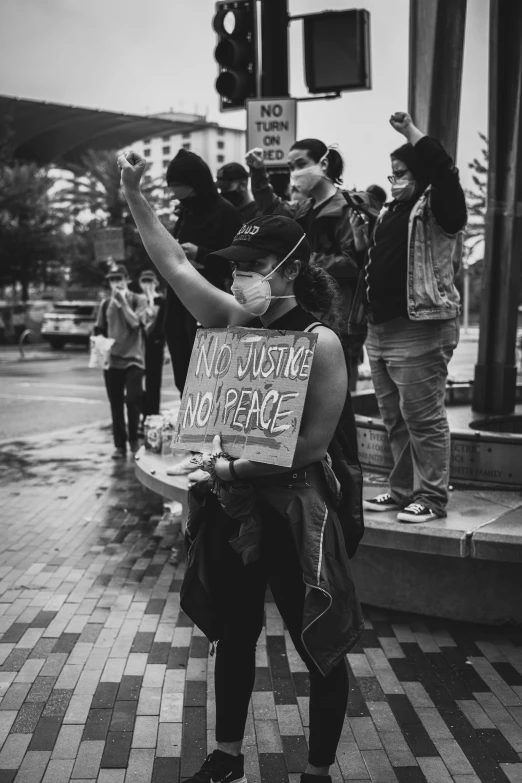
<point x="212" y="463"/>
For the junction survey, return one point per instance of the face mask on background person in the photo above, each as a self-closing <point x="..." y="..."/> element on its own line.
<point x="253" y="291"/>
<point x="148" y="288"/>
<point x="403" y="189"/>
<point x="234" y="197"/>
<point x="305" y="180"/>
<point x="118" y="285"/>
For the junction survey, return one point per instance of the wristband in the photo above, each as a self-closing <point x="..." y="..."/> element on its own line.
<point x="233" y="472"/>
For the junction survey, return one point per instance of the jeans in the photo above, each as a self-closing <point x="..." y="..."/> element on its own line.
<point x="409" y="363"/>
<point x="124" y="386"/>
<point x="241" y="596"/>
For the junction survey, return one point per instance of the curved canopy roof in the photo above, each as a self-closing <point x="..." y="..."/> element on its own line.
<point x="56" y="133"/>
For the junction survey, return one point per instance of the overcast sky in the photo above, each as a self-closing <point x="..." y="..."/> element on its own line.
<point x="149" y="56"/>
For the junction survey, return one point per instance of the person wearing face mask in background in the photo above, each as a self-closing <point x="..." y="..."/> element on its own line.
<point x="413" y="314"/>
<point x="154" y="342"/>
<point x="232" y="183"/>
<point x="206" y="222"/>
<point x="124" y="316"/>
<point x="323" y="212"/>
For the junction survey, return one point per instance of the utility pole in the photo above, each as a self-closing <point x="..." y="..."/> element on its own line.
<point x="274" y="49"/>
<point x="274" y="67"/>
<point x="436" y="54"/>
<point x="494" y="390"/>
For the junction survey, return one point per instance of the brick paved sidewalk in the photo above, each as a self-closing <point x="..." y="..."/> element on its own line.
<point x="102" y="678"/>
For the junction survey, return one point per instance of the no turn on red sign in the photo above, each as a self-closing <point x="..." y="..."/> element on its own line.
<point x="272" y="126"/>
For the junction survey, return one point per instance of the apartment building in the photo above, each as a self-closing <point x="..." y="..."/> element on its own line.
<point x="212" y="142"/>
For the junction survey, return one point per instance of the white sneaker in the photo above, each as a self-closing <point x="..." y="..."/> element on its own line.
<point x="186" y="465"/>
<point x="198" y="475"/>
<point x="416" y="512"/>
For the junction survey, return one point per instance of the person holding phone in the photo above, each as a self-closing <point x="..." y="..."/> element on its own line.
<point x="302" y="552"/>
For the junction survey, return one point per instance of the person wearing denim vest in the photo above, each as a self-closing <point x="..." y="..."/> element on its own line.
<point x="413" y="313"/>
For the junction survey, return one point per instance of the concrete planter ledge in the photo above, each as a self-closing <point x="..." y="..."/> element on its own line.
<point x="464" y="567"/>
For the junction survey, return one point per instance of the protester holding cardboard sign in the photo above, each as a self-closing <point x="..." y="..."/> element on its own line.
<point x="275" y="525"/>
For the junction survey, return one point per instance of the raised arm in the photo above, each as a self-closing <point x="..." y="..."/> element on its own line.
<point x="209" y="305"/>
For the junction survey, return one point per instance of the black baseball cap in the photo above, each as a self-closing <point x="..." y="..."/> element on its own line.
<point x="117" y="270"/>
<point x="267" y="234"/>
<point x="231" y="172"/>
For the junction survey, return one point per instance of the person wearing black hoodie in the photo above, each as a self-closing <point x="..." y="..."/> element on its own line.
<point x="207" y="222"/>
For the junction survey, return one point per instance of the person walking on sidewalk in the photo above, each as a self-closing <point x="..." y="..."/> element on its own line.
<point x="154" y="342"/>
<point x="123" y="316"/>
<point x="300" y="550"/>
<point x="413" y="315"/>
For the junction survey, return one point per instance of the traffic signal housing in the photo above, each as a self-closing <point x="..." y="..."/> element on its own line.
<point x="235" y="53"/>
<point x="337" y="51"/>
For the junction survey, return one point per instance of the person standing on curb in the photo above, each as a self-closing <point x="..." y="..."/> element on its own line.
<point x="323" y="210"/>
<point x="123" y="317"/>
<point x="413" y="315"/>
<point x="302" y="551"/>
<point x="154" y="342"/>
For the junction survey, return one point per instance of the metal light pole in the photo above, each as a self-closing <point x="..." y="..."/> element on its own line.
<point x="436" y="52"/>
<point x="494" y="390"/>
<point x="274" y="48"/>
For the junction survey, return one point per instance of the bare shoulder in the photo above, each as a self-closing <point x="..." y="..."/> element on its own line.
<point x="329" y="361"/>
<point x="328" y="343"/>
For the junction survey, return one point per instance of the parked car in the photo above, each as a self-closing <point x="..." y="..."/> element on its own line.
<point x="69" y="322"/>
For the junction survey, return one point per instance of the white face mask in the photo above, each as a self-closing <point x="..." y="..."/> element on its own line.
<point x="253" y="292"/>
<point x="149" y="289"/>
<point x="403" y="189"/>
<point x="118" y="285"/>
<point x="305" y="180"/>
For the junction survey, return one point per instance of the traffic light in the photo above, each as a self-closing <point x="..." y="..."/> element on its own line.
<point x="337" y="51"/>
<point x="235" y="53"/>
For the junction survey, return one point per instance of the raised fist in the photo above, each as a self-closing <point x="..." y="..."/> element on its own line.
<point x="254" y="158"/>
<point x="132" y="168"/>
<point x="401" y="121"/>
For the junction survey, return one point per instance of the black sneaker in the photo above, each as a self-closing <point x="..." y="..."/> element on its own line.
<point x="119" y="453"/>
<point x="220" y="767"/>
<point x="383" y="502"/>
<point x="306" y="778"/>
<point x="416" y="512"/>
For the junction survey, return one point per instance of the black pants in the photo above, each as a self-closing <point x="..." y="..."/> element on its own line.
<point x="153" y="373"/>
<point x="124" y="386"/>
<point x="242" y="596"/>
<point x="180" y="333"/>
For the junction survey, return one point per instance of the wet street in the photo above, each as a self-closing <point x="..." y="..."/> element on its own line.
<point x="103" y="678"/>
<point x="55" y="391"/>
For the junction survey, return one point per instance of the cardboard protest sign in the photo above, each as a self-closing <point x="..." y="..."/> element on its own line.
<point x="249" y="385"/>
